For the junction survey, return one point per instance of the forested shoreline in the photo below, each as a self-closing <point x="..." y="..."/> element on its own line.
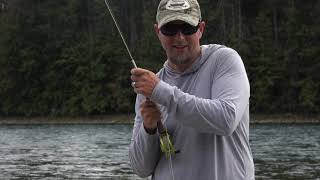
<point x="129" y="119"/>
<point x="65" y="58"/>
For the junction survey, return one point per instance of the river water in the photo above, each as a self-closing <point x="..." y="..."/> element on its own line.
<point x="100" y="151"/>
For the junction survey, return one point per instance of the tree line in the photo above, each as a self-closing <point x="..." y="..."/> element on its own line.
<point x="62" y="58"/>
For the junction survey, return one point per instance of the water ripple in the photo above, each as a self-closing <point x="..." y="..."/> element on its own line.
<point x="101" y="152"/>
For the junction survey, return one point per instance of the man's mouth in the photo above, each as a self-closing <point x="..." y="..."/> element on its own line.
<point x="179" y="46"/>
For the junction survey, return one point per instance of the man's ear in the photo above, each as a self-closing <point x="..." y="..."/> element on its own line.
<point x="201" y="28"/>
<point x="156" y="29"/>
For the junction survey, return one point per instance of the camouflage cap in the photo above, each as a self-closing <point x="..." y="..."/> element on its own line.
<point x="183" y="10"/>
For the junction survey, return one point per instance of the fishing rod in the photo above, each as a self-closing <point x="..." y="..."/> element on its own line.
<point x="123" y="40"/>
<point x="166" y="144"/>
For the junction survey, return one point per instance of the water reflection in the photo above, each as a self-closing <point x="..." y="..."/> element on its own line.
<point x="286" y="151"/>
<point x="100" y="151"/>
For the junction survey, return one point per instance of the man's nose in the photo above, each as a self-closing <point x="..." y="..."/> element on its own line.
<point x="179" y="35"/>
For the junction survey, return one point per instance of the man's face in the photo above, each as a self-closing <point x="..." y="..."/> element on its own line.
<point x="181" y="49"/>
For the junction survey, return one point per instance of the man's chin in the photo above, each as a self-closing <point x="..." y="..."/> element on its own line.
<point x="179" y="61"/>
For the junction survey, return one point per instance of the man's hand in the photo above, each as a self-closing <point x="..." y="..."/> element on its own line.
<point x="144" y="81"/>
<point x="151" y="115"/>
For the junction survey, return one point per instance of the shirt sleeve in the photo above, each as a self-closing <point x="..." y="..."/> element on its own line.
<point x="144" y="148"/>
<point x="221" y="113"/>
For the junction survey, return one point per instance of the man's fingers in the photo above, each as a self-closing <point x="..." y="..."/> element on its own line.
<point x="134" y="78"/>
<point x="133" y="84"/>
<point x="138" y="71"/>
<point x="149" y="104"/>
<point x="137" y="84"/>
<point x="145" y="81"/>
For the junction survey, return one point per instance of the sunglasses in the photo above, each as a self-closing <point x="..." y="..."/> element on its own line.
<point x="172" y="29"/>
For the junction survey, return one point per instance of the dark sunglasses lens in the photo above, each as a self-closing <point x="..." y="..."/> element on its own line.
<point x="172" y="29"/>
<point x="169" y="29"/>
<point x="187" y="29"/>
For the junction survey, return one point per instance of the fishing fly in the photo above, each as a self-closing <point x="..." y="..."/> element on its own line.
<point x="166" y="144"/>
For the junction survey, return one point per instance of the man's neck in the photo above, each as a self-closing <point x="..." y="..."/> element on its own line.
<point x="180" y="67"/>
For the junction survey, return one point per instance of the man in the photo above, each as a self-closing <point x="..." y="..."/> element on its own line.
<point x="201" y="96"/>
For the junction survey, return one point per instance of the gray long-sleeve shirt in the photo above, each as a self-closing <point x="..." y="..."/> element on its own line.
<point x="206" y="111"/>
